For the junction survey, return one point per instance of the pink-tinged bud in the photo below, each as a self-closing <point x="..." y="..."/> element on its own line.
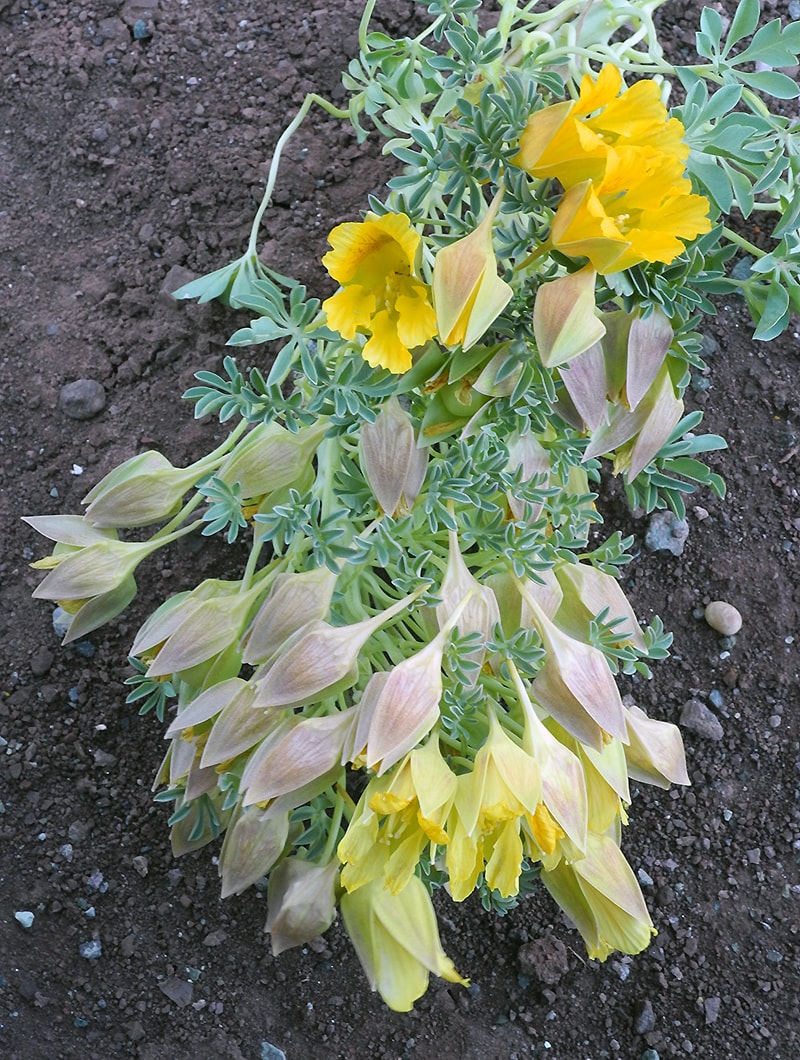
<point x="544" y="591"/>
<point x="253" y="843"/>
<point x="205" y="706"/>
<point x="207" y="628"/>
<point x="565" y="321"/>
<point x="649" y="340"/>
<point x="397" y="941"/>
<point x="302" y="902"/>
<point x="655" y="754"/>
<point x="319" y="660"/>
<point x="575" y="685"/>
<point x="392" y="464"/>
<point x="293" y="601"/>
<point x="646" y="428"/>
<point x="526" y="451"/>
<point x="589" y="591"/>
<point x="479" y="614"/>
<point x="467" y="292"/>
<point x="240" y="726"/>
<point x="406" y="708"/>
<point x="587" y="384"/>
<point x="299" y="755"/>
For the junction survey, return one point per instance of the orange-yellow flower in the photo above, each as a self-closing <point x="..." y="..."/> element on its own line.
<point x="380" y="294"/>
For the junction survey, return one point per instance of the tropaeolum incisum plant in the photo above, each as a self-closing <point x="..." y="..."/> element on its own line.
<point x="412" y="685"/>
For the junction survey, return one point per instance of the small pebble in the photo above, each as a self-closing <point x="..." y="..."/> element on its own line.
<point x="666" y="533"/>
<point x="644" y="1017"/>
<point x="696" y="717"/>
<point x="271" y="1052"/>
<point x="91" y="950"/>
<point x="82" y="399"/>
<point x="711" y="1006"/>
<point x="645" y="878"/>
<point x="715" y="699"/>
<point x="723" y="617"/>
<point x="62" y="620"/>
<point x="140" y="30"/>
<point x="24" y="917"/>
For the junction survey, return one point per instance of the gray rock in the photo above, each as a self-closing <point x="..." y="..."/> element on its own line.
<point x="82" y="399"/>
<point x="177" y="990"/>
<point x="271" y="1052"/>
<point x="696" y="717"/>
<point x="711" y="1006"/>
<point x="644" y="1017"/>
<point x="666" y="533"/>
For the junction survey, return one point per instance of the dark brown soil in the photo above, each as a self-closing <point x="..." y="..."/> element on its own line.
<point x="122" y="160"/>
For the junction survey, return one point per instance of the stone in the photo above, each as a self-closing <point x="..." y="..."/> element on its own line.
<point x="83" y="399"/>
<point x="644" y="1018"/>
<point x="723" y="617"/>
<point x="696" y="717"/>
<point x="666" y="533"/>
<point x="177" y="990"/>
<point x="711" y="1007"/>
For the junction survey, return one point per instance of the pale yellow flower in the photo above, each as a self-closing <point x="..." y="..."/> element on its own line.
<point x="381" y="295"/>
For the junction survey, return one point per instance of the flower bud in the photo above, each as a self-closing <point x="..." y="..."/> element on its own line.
<point x="526" y="452"/>
<point x="480" y="614"/>
<point x="655" y="754"/>
<point x="589" y="591"/>
<point x="205" y="631"/>
<point x="575" y="685"/>
<point x="294" y="600"/>
<point x="253" y="843"/>
<point x="271" y="457"/>
<point x="635" y="437"/>
<point x="143" y="490"/>
<point x="468" y="294"/>
<point x="407" y="707"/>
<point x="302" y="752"/>
<point x="392" y="464"/>
<point x="319" y="660"/>
<point x="565" y="321"/>
<point x="302" y="901"/>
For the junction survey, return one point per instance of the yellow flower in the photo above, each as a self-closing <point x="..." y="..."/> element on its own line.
<point x="646" y="222"/>
<point x="575" y="141"/>
<point x="397" y="941"/>
<point x="380" y="295"/>
<point x="620" y="159"/>
<point x="601" y="896"/>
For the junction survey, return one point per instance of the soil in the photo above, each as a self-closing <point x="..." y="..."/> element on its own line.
<point x="126" y="161"/>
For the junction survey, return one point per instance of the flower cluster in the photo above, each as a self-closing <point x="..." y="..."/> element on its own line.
<point x="620" y="160"/>
<point x="412" y="684"/>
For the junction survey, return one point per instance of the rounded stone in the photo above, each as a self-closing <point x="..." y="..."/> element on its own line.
<point x="82" y="399"/>
<point x="723" y="617"/>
